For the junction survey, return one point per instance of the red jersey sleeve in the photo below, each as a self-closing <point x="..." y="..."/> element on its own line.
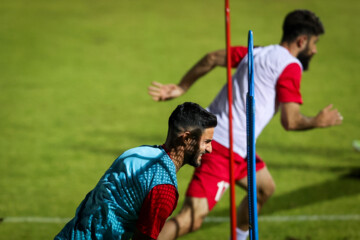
<point x="288" y="84"/>
<point x="237" y="54"/>
<point x="158" y="205"/>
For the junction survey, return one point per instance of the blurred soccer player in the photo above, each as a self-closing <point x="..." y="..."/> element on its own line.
<point x="278" y="70"/>
<point x="139" y="191"/>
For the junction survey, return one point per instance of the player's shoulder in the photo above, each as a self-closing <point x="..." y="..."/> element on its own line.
<point x="278" y="56"/>
<point x="139" y="157"/>
<point x="274" y="50"/>
<point x="144" y="151"/>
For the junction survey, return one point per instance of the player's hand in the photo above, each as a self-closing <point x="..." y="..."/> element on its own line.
<point x="328" y="117"/>
<point x="163" y="92"/>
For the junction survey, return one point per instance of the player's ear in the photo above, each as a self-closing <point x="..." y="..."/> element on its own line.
<point x="185" y="136"/>
<point x="301" y="41"/>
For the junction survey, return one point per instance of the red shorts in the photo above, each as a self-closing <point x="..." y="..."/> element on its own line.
<point x="212" y="178"/>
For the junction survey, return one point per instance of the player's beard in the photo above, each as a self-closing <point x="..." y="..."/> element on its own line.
<point x="192" y="151"/>
<point x="304" y="58"/>
<point x="193" y="157"/>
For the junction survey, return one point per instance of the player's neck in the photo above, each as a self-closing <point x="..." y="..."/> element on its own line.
<point x="176" y="153"/>
<point x="291" y="47"/>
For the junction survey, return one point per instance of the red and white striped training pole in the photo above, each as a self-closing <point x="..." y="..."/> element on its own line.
<point x="230" y="100"/>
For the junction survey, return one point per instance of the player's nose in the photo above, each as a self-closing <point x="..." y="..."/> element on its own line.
<point x="209" y="148"/>
<point x="314" y="50"/>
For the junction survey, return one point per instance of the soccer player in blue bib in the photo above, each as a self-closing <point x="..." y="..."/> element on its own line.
<point x="138" y="192"/>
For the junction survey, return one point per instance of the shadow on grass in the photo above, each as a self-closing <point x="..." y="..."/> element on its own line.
<point x="344" y="186"/>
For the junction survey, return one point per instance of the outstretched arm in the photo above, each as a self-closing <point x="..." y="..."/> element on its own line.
<point x="163" y="92"/>
<point x="292" y="119"/>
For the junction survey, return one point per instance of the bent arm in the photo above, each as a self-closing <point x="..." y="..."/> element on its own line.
<point x="163" y="92"/>
<point x="157" y="206"/>
<point x="292" y="119"/>
<point x="202" y="67"/>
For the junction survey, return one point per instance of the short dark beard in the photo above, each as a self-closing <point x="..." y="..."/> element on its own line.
<point x="304" y="58"/>
<point x="191" y="158"/>
<point x="192" y="153"/>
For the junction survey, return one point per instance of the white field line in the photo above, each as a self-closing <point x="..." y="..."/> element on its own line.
<point x="295" y="218"/>
<point x="34" y="220"/>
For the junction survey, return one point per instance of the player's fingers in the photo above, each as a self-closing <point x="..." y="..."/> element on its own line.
<point x="336" y="114"/>
<point x="328" y="107"/>
<point x="340" y="116"/>
<point x="154" y="89"/>
<point x="157" y="84"/>
<point x="338" y="122"/>
<point x="157" y="99"/>
<point x="337" y="118"/>
<point x="154" y="93"/>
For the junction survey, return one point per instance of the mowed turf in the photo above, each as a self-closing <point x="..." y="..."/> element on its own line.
<point x="73" y="96"/>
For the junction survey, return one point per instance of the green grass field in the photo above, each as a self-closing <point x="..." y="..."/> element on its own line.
<point x="73" y="96"/>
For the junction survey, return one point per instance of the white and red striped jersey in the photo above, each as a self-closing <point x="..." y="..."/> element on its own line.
<point x="277" y="76"/>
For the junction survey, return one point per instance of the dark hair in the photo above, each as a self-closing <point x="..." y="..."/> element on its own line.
<point x="301" y="22"/>
<point x="190" y="117"/>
